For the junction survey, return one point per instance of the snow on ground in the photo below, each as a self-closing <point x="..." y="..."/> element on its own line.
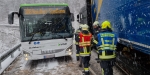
<point x="9" y="38"/>
<point x="50" y="66"/>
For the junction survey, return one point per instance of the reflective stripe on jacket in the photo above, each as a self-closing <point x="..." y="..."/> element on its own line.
<point x="85" y="40"/>
<point x="107" y="45"/>
<point x="85" y="51"/>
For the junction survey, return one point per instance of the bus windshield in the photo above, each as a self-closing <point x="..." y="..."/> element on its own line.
<point x="45" y="26"/>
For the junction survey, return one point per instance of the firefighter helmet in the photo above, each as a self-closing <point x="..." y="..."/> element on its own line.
<point x="96" y="23"/>
<point x="106" y="24"/>
<point x="85" y="27"/>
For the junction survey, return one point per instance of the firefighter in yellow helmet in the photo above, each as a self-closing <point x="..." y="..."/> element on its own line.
<point x="85" y="47"/>
<point x="77" y="42"/>
<point x="106" y="41"/>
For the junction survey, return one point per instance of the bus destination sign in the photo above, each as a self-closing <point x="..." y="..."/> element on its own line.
<point x="43" y="11"/>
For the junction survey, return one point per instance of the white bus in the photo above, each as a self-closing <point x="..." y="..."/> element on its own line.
<point x="46" y="30"/>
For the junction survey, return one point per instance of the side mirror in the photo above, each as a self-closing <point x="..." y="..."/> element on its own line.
<point x="72" y="17"/>
<point x="79" y="18"/>
<point x="11" y="17"/>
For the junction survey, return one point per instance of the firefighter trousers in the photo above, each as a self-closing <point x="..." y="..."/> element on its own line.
<point x="77" y="52"/>
<point x="107" y="67"/>
<point x="85" y="61"/>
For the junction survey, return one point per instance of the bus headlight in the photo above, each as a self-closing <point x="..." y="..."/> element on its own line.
<point x="26" y="59"/>
<point x="26" y="54"/>
<point x="69" y="50"/>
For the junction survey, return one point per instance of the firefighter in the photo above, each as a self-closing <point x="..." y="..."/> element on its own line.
<point x="85" y="47"/>
<point x="96" y="27"/>
<point x="106" y="42"/>
<point x="96" y="30"/>
<point x="77" y="42"/>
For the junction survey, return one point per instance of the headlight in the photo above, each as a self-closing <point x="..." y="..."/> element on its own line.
<point x="69" y="48"/>
<point x="26" y="59"/>
<point x="26" y="54"/>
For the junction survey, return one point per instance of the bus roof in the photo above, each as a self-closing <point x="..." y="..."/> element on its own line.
<point x="45" y="4"/>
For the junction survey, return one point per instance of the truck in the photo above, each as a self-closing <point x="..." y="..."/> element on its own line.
<point x="130" y="20"/>
<point x="45" y="30"/>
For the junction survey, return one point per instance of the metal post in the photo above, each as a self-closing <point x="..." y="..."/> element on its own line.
<point x="89" y="14"/>
<point x="0" y="64"/>
<point x="12" y="55"/>
<point x="19" y="48"/>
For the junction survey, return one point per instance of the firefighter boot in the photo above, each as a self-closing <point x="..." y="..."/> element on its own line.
<point x="86" y="73"/>
<point x="80" y="65"/>
<point x="77" y="57"/>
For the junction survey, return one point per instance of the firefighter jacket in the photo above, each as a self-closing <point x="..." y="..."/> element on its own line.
<point x="96" y="31"/>
<point x="106" y="45"/>
<point x="77" y="37"/>
<point x="85" y="43"/>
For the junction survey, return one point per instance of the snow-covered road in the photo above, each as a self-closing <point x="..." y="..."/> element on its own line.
<point x="52" y="66"/>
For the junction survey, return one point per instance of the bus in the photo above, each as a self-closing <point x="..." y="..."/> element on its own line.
<point x="45" y="30"/>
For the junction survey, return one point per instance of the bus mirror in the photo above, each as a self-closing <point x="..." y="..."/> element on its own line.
<point x="78" y="17"/>
<point x="11" y="17"/>
<point x="72" y="17"/>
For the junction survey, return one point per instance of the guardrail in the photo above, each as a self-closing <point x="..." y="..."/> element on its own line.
<point x="7" y="58"/>
<point x="7" y="25"/>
